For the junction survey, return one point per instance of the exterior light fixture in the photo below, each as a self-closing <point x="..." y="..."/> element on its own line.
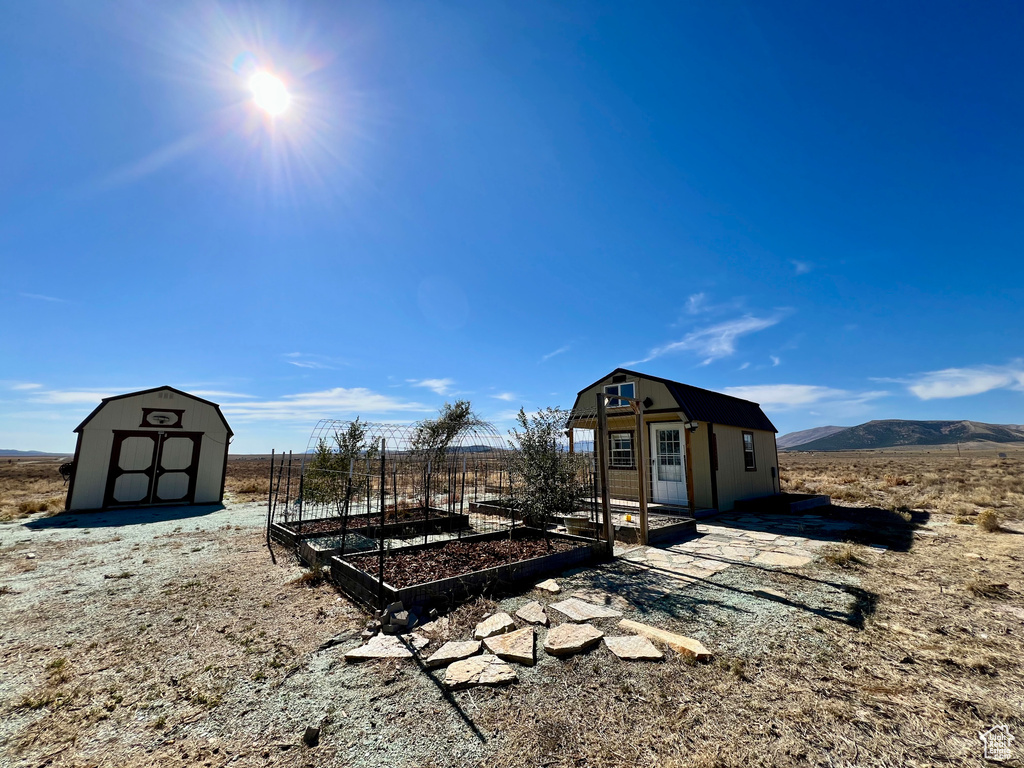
<point x="692" y="425"/>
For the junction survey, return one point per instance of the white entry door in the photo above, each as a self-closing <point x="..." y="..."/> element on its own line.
<point x="668" y="463"/>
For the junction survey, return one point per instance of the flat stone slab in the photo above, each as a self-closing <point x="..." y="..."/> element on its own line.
<point x="518" y="646"/>
<point x="387" y="647"/>
<point x="578" y="610"/>
<point x="567" y="639"/>
<point x="533" y="613"/>
<point x="498" y="624"/>
<point x="479" y="670"/>
<point x="549" y="586"/>
<point x="680" y="643"/>
<point x="781" y="559"/>
<point x="633" y="648"/>
<point x="597" y="597"/>
<point x="453" y="651"/>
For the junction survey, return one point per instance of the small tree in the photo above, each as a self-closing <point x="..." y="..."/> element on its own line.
<point x="327" y="472"/>
<point x="432" y="440"/>
<point x="546" y="481"/>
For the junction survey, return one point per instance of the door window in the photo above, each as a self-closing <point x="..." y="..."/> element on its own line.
<point x="670" y="456"/>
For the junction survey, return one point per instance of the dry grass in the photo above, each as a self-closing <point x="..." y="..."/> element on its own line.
<point x="30" y="486"/>
<point x="844" y="555"/>
<point x="988" y="520"/>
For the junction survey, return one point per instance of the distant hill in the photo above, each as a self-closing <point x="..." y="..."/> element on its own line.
<point x="896" y="432"/>
<point x="13" y="453"/>
<point x="793" y="439"/>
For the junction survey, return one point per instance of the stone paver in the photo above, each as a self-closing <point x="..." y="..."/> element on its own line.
<point x="780" y="558"/>
<point x="680" y="643"/>
<point x="550" y="585"/>
<point x="387" y="647"/>
<point x="597" y="597"/>
<point x="533" y="613"/>
<point x="567" y="639"/>
<point x="497" y="624"/>
<point x="453" y="651"/>
<point x="633" y="647"/>
<point x="579" y="610"/>
<point x="479" y="670"/>
<point x="515" y="646"/>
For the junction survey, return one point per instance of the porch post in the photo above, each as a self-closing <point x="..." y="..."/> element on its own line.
<point x="642" y="468"/>
<point x="601" y="453"/>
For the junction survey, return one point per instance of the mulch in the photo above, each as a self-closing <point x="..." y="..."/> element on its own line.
<point x="362" y="521"/>
<point x="457" y="558"/>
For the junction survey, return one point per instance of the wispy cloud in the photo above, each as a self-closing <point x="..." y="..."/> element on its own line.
<point x="314" y="362"/>
<point x="775" y="361"/>
<point x="558" y="351"/>
<point x="506" y="396"/>
<point x="438" y="386"/>
<point x="962" y="382"/>
<point x="219" y="393"/>
<point x="41" y="297"/>
<point x="696" y="303"/>
<point x="790" y="396"/>
<point x="716" y="341"/>
<point x="24" y="386"/>
<point x="801" y="267"/>
<point x="153" y="162"/>
<point x="73" y="396"/>
<point x="323" y="404"/>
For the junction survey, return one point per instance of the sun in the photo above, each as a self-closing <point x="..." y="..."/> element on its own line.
<point x="269" y="93"/>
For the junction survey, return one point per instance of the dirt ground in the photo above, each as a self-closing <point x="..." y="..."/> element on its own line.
<point x="168" y="637"/>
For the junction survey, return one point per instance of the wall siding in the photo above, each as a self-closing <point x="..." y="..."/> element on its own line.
<point x="734" y="481"/>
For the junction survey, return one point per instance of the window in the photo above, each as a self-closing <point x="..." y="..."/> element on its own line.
<point x="620" y="451"/>
<point x="626" y="390"/>
<point x="748" y="452"/>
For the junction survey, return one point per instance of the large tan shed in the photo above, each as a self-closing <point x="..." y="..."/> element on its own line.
<point x="157" y="446"/>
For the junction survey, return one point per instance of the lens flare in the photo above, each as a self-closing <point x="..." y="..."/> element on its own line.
<point x="269" y="93"/>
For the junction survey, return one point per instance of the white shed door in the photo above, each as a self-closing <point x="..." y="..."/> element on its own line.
<point x="152" y="468"/>
<point x="668" y="463"/>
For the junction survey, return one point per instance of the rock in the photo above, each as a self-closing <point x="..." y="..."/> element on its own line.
<point x="387" y="647"/>
<point x="567" y="639"/>
<point x="972" y="555"/>
<point x="453" y="651"/>
<point x="394" y="608"/>
<point x="497" y="624"/>
<point x="579" y="611"/>
<point x="779" y="558"/>
<point x="479" y="670"/>
<point x="597" y="597"/>
<point x="367" y="635"/>
<point x="549" y="586"/>
<point x="533" y="613"/>
<point x="680" y="643"/>
<point x="30" y="556"/>
<point x="515" y="646"/>
<point x="311" y="737"/>
<point x="770" y="593"/>
<point x="400" y="618"/>
<point x="633" y="647"/>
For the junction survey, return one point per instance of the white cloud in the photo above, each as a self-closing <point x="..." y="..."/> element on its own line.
<point x="74" y="397"/>
<point x="218" y="393"/>
<point x="962" y="382"/>
<point x="744" y="366"/>
<point x="438" y="386"/>
<point x="558" y="351"/>
<point x="314" y="362"/>
<point x="802" y="267"/>
<point x="41" y="297"/>
<point x="26" y="386"/>
<point x="787" y="396"/>
<point x="506" y="396"/>
<point x="715" y="341"/>
<point x="775" y="361"/>
<point x="323" y="404"/>
<point x="696" y="303"/>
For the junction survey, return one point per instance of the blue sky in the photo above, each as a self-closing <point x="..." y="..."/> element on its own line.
<point x="815" y="206"/>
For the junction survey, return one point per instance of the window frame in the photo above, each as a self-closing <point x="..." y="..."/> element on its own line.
<point x="632" y="450"/>
<point x="752" y="452"/>
<point x="613" y="401"/>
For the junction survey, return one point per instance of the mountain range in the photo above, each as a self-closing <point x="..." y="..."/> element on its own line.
<point x="891" y="433"/>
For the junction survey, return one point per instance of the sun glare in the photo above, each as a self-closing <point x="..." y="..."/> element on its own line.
<point x="269" y="93"/>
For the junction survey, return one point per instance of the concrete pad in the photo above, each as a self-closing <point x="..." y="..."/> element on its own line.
<point x="567" y="639"/>
<point x="579" y="611"/>
<point x="680" y="643"/>
<point x="515" y="646"/>
<point x="497" y="624"/>
<point x="633" y="648"/>
<point x="453" y="651"/>
<point x="533" y="613"/>
<point x="479" y="670"/>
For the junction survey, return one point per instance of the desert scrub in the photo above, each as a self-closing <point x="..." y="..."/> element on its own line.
<point x="843" y="556"/>
<point x="980" y="588"/>
<point x="988" y="520"/>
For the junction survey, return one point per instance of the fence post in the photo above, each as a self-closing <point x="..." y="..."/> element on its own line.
<point x="270" y="508"/>
<point x="600" y="453"/>
<point x="642" y="470"/>
<point x="383" y="485"/>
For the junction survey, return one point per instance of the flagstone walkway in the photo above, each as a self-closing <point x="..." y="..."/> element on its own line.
<point x="731" y="539"/>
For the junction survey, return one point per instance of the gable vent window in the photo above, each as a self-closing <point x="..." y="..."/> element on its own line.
<point x="748" y="452"/>
<point x="627" y="389"/>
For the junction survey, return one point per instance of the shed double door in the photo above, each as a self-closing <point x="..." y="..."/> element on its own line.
<point x="152" y="468"/>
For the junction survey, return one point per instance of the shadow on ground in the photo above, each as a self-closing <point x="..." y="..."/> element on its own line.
<point x="114" y="518"/>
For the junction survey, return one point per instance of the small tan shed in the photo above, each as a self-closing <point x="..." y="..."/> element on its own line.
<point x="157" y="446"/>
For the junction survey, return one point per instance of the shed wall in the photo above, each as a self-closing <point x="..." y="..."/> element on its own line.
<point x="734" y="481"/>
<point x="701" y="463"/>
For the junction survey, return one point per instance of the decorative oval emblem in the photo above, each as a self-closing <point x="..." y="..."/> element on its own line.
<point x="161" y="418"/>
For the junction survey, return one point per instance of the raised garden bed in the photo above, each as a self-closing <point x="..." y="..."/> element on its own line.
<point x="447" y="572"/>
<point x="410" y="521"/>
<point x="660" y="528"/>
